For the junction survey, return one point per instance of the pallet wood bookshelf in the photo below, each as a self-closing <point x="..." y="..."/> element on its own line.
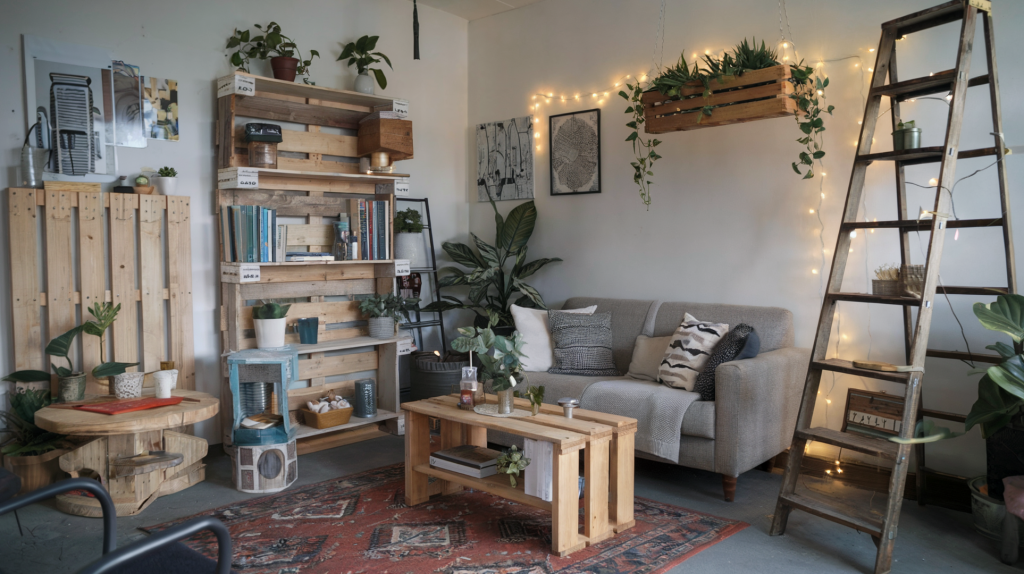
<point x="317" y="179"/>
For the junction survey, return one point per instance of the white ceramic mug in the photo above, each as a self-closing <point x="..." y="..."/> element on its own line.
<point x="165" y="381"/>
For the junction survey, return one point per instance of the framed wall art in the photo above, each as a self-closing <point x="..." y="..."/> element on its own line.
<point x="575" y="144"/>
<point x="504" y="153"/>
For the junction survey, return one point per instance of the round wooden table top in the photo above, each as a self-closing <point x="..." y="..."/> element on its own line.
<point x="84" y="423"/>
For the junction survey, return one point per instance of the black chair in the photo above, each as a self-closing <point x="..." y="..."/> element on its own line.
<point x="160" y="553"/>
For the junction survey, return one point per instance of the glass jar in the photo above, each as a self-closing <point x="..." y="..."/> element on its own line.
<point x="341" y="241"/>
<point x="471" y="392"/>
<point x="263" y="154"/>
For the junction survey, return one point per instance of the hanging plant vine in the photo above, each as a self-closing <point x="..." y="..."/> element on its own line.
<point x="642" y="149"/>
<point x="810" y="96"/>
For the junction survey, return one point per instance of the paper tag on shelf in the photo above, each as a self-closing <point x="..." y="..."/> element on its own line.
<point x="400" y="107"/>
<point x="236" y="84"/>
<point x="239" y="178"/>
<point x="404" y="347"/>
<point x="248" y="273"/>
<point x="402" y="267"/>
<point x="402" y="187"/>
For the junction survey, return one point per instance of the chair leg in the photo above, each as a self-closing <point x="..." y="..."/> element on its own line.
<point x="729" y="487"/>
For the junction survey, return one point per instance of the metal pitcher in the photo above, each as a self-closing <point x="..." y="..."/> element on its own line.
<point x="33" y="160"/>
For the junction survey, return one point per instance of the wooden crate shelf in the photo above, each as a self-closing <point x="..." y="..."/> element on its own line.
<point x="355" y="422"/>
<point x="290" y="179"/>
<point x="756" y="95"/>
<point x="265" y="85"/>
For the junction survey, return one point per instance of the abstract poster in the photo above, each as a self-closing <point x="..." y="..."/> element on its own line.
<point x="505" y="160"/>
<point x="128" y="120"/>
<point x="575" y="141"/>
<point x="160" y="108"/>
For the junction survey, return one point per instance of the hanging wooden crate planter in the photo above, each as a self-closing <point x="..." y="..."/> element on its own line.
<point x="756" y="95"/>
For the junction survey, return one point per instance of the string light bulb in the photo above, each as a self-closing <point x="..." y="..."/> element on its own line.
<point x="551" y="95"/>
<point x="814" y="271"/>
<point x="785" y="44"/>
<point x="812" y="211"/>
<point x="853" y="234"/>
<point x="536" y="135"/>
<point x="933" y="182"/>
<point x="871" y="49"/>
<point x="594" y="95"/>
<point x="871" y="69"/>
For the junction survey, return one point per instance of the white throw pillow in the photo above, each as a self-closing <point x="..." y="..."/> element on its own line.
<point x="688" y="352"/>
<point x="647" y="355"/>
<point x="538" y="346"/>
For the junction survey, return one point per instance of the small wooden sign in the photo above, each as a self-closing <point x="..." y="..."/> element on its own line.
<point x="873" y="414"/>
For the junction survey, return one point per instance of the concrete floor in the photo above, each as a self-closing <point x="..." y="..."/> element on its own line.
<point x="930" y="539"/>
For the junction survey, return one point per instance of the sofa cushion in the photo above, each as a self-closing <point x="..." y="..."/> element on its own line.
<point x="538" y="348"/>
<point x="751" y="348"/>
<point x="689" y="351"/>
<point x="647" y="355"/>
<point x="773" y="324"/>
<point x="559" y="386"/>
<point x="583" y="344"/>
<point x="730" y="347"/>
<point x="629" y="316"/>
<point x="699" y="420"/>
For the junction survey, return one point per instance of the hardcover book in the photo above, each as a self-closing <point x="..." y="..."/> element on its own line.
<point x="469" y="455"/>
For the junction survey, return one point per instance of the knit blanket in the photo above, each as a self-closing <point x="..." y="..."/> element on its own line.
<point x="658" y="410"/>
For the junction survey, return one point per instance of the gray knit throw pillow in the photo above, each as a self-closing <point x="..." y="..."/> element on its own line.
<point x="726" y="350"/>
<point x="583" y="344"/>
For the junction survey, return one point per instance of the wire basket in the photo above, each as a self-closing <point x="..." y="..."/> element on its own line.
<point x="887" y="287"/>
<point x="912" y="280"/>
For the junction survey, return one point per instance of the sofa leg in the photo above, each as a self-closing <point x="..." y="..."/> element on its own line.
<point x="729" y="487"/>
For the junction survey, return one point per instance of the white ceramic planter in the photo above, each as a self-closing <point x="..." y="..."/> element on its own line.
<point x="165" y="381"/>
<point x="364" y="83"/>
<point x="128" y="385"/>
<point x="269" y="333"/>
<point x="411" y="246"/>
<point x="165" y="185"/>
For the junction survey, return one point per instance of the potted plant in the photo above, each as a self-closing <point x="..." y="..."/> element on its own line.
<point x="268" y="320"/>
<point x="409" y="237"/>
<point x="492" y="284"/>
<point x="360" y="53"/>
<point x="166" y="181"/>
<point x="511" y="462"/>
<point x="32" y="453"/>
<point x="500" y="360"/>
<point x="536" y="396"/>
<point x="907" y="136"/>
<point x="270" y="43"/>
<point x="104" y="315"/>
<point x="383" y="311"/>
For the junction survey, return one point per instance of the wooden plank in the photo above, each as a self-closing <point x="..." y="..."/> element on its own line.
<point x="300" y="164"/>
<point x="417" y="456"/>
<point x="308" y="235"/>
<point x="337" y="365"/>
<point x="734" y="114"/>
<point x="846" y="367"/>
<point x="495" y="484"/>
<point x="565" y="517"/>
<point x="354" y="100"/>
<point x="820" y="508"/>
<point x="965" y="356"/>
<point x="284" y="111"/>
<point x="451" y="437"/>
<point x="93" y="280"/>
<point x="252" y="291"/>
<point x="145" y="463"/>
<point x="323" y="336"/>
<point x="72" y="421"/>
<point x="620" y="464"/>
<point x="328" y="312"/>
<point x="775" y="74"/>
<point x="122" y="266"/>
<point x="72" y="186"/>
<point x="179" y="265"/>
<point x="313" y="142"/>
<point x="595" y="490"/>
<point x="334" y="440"/>
<point x="388" y="391"/>
<point x="555" y="421"/>
<point x="226" y="130"/>
<point x="303" y="272"/>
<point x="151" y="274"/>
<point x="669" y="107"/>
<point x="59" y="281"/>
<point x="293" y="204"/>
<point x="25" y="259"/>
<point x="868" y="445"/>
<point x="565" y="440"/>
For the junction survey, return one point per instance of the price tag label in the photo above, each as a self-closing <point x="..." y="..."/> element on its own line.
<point x="402" y="267"/>
<point x="400" y="107"/>
<point x="405" y="347"/>
<point x="236" y="84"/>
<point x="402" y="187"/>
<point x="249" y="274"/>
<point x="239" y="178"/>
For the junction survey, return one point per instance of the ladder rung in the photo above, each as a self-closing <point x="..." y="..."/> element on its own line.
<point x="925" y="86"/>
<point x="921" y="155"/>
<point x="955" y="290"/>
<point x="943" y="415"/>
<point x="929" y="18"/>
<point x="829" y="512"/>
<point x="846" y="367"/>
<point x="859" y="443"/>
<point x="964" y="356"/>
<point x="869" y="298"/>
<point x="922" y="224"/>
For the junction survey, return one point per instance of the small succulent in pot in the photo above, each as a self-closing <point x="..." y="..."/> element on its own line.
<point x="511" y="462"/>
<point x="166" y="180"/>
<point x="269" y="322"/>
<point x="167" y="172"/>
<point x="536" y="396"/>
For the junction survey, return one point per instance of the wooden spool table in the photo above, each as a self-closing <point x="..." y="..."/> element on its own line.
<point x="607" y="442"/>
<point x="135" y="484"/>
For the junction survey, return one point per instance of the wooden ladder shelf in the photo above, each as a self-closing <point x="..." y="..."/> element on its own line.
<point x="955" y="82"/>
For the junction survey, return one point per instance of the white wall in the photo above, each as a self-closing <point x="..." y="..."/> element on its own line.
<point x="730" y="221"/>
<point x="184" y="40"/>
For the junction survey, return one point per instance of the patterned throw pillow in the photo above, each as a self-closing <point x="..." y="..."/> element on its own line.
<point x="583" y="344"/>
<point x="690" y="348"/>
<point x="728" y="349"/>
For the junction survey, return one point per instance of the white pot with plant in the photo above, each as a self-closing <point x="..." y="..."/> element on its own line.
<point x="384" y="311"/>
<point x="500" y="361"/>
<point x="409" y="238"/>
<point x="360" y="54"/>
<point x="268" y="320"/>
<point x="166" y="181"/>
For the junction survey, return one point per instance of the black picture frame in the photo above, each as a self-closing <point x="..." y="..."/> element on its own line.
<point x="554" y="162"/>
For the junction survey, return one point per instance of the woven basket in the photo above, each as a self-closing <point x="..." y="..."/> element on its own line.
<point x="911" y="280"/>
<point x="888" y="287"/>
<point x="326" y="420"/>
<point x="433" y="378"/>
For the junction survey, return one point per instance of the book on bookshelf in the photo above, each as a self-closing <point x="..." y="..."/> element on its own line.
<point x="463" y="469"/>
<point x="249" y="234"/>
<point x="308" y="256"/>
<point x="469" y="455"/>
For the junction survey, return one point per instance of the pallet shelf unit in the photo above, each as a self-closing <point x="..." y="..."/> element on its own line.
<point x="318" y="179"/>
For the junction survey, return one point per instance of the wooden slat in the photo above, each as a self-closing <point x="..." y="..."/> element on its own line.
<point x="311" y="142"/>
<point x="333" y="440"/>
<point x="717" y="99"/>
<point x="925" y="86"/>
<point x="297" y="398"/>
<point x="820" y="508"/>
<point x="922" y="224"/>
<point x="773" y="74"/>
<point x="846" y="367"/>
<point x="252" y="291"/>
<point x="225" y="130"/>
<point x="59" y="281"/>
<point x="556" y="421"/>
<point x="965" y="356"/>
<point x="868" y="445"/>
<point x="24" y="246"/>
<point x="310" y="235"/>
<point x="290" y="203"/>
<point x="300" y="164"/>
<point x="357" y="101"/>
<point x="337" y="365"/>
<point x="288" y="273"/>
<point x="868" y="298"/>
<point x="566" y="440"/>
<point x="93" y="278"/>
<point x="932" y="154"/>
<point x="283" y="111"/>
<point x="323" y="336"/>
<point x="179" y="265"/>
<point x="736" y="114"/>
<point x="151" y="215"/>
<point x="122" y="266"/>
<point x="328" y="312"/>
<point x="495" y="484"/>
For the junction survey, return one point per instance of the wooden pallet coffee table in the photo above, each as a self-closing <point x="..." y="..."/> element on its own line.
<point x="607" y="442"/>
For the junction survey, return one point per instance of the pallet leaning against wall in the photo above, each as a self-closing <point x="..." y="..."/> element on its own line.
<point x="311" y="186"/>
<point x="145" y="265"/>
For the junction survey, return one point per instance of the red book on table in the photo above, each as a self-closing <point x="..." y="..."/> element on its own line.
<point x="129" y="405"/>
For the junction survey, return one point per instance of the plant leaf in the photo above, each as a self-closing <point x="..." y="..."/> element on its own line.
<point x="518" y="227"/>
<point x="61" y="346"/>
<point x="381" y="80"/>
<point x="27" y="376"/>
<point x="1006" y="315"/>
<point x="462" y="254"/>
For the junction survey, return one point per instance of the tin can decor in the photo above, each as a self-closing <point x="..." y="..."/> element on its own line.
<point x="365" y="400"/>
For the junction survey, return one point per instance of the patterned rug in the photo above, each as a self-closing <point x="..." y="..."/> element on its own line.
<point x="360" y="523"/>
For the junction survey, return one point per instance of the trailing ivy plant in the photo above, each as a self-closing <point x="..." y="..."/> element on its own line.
<point x="642" y="148"/>
<point x="810" y="97"/>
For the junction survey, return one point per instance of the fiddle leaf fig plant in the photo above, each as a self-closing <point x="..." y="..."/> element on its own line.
<point x="360" y="54"/>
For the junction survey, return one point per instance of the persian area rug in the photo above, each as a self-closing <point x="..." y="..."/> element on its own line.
<point x="360" y="524"/>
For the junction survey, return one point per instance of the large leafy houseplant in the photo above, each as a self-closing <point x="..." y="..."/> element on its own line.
<point x="360" y="54"/>
<point x="500" y="357"/>
<point x="492" y="284"/>
<point x="267" y="43"/>
<point x="388" y="305"/>
<point x="28" y="439"/>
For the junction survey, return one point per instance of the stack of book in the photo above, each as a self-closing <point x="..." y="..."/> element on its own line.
<point x="249" y="234"/>
<point x="467" y="459"/>
<point x="374" y="230"/>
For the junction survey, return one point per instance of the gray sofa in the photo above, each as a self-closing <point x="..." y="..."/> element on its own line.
<point x="753" y="416"/>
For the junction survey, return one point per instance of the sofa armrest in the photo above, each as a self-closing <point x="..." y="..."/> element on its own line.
<point x="756" y="405"/>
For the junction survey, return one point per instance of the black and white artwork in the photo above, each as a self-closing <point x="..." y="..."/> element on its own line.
<point x="575" y="143"/>
<point x="505" y="160"/>
<point x="130" y="128"/>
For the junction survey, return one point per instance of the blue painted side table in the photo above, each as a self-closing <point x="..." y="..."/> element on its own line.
<point x="250" y="373"/>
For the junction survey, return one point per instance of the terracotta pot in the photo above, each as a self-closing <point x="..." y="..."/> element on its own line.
<point x="37" y="471"/>
<point x="284" y="68"/>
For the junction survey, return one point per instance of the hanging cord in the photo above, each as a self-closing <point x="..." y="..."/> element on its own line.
<point x="659" y="39"/>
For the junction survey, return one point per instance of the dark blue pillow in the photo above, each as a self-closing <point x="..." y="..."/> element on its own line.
<point x="751" y="348"/>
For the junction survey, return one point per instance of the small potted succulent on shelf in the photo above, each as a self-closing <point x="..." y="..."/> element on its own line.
<point x="383" y="311"/>
<point x="536" y="396"/>
<point x="502" y="367"/>
<point x="166" y="181"/>
<point x="409" y="237"/>
<point x="270" y="43"/>
<point x="360" y="54"/>
<point x="907" y="136"/>
<point x="511" y="462"/>
<point x="268" y="320"/>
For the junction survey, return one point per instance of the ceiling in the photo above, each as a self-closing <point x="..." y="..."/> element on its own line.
<point x="476" y="9"/>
